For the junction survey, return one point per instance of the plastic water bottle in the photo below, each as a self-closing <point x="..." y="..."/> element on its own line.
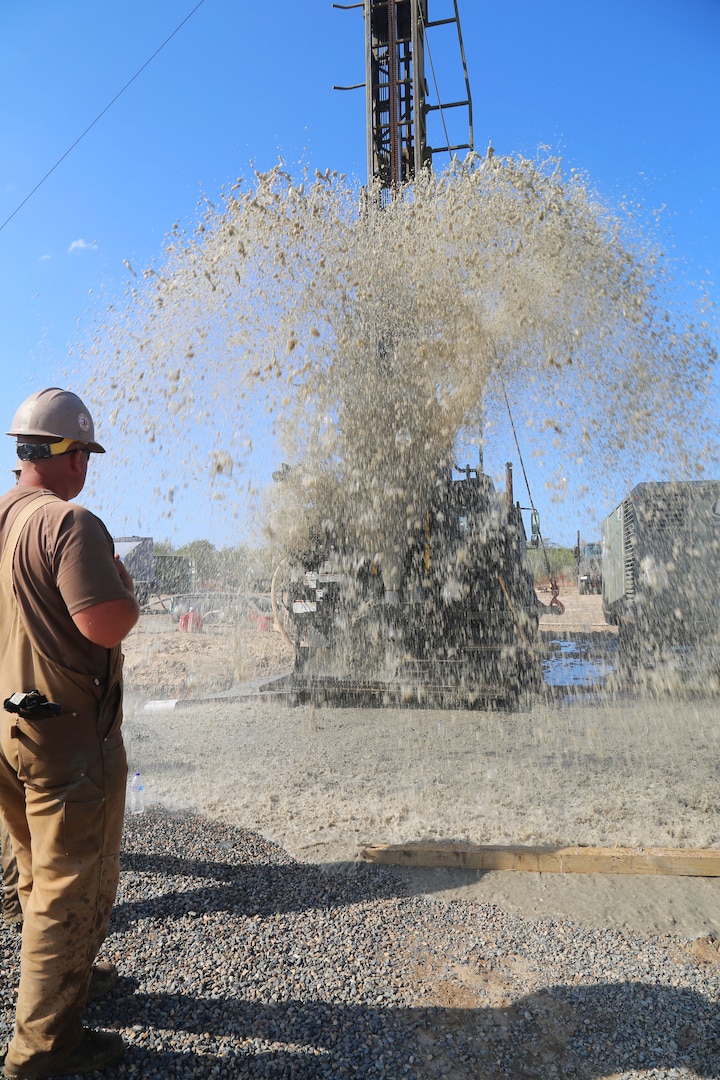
<point x="137" y="795"/>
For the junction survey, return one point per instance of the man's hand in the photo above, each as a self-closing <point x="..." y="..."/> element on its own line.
<point x="124" y="576"/>
<point x="108" y="623"/>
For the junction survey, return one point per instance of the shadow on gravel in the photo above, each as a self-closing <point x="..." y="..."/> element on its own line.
<point x="249" y="889"/>
<point x="579" y="1032"/>
<point x="301" y="1004"/>
<point x="246" y="964"/>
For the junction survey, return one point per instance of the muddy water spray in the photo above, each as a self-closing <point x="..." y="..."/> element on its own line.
<point x="370" y="340"/>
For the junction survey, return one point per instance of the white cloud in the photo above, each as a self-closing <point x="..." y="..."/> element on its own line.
<point x="44" y="258"/>
<point x="82" y="245"/>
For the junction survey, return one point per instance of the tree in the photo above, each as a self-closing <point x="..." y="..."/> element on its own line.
<point x="551" y="561"/>
<point x="163" y="547"/>
<point x="205" y="558"/>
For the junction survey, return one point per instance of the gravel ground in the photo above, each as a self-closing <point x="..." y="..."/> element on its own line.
<point x="237" y="961"/>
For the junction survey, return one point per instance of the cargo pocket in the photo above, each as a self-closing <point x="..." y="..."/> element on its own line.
<point x="83" y="826"/>
<point x="53" y="753"/>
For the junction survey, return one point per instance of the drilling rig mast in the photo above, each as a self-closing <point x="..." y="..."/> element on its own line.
<point x="397" y="93"/>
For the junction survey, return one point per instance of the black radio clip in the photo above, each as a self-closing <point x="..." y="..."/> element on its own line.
<point x="31" y="706"/>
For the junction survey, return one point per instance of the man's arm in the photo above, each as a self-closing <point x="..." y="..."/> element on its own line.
<point x="108" y="623"/>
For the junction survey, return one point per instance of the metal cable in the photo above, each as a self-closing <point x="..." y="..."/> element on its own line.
<point x="435" y="82"/>
<point x="527" y="482"/>
<point x="98" y="117"/>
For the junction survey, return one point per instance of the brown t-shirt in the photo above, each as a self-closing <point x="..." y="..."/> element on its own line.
<point x="64" y="562"/>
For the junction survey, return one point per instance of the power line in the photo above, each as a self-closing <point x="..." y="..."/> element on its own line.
<point x="100" y="115"/>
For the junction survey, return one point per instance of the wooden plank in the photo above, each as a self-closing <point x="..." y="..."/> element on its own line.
<point x="681" y="862"/>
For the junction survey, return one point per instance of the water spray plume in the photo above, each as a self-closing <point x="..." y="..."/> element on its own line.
<point x="370" y="340"/>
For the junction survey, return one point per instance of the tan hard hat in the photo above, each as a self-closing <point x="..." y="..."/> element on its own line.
<point x="57" y="414"/>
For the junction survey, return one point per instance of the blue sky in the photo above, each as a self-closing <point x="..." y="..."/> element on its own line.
<point x="627" y="91"/>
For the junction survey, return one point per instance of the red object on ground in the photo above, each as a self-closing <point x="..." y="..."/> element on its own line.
<point x="262" y="621"/>
<point x="191" y="622"/>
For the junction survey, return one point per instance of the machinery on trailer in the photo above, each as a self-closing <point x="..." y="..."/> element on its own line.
<point x="153" y="574"/>
<point x="660" y="584"/>
<point x="462" y="628"/>
<point x="589" y="566"/>
<point x="137" y="554"/>
<point x="455" y="619"/>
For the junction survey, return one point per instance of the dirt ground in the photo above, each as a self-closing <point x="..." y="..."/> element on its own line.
<point x="322" y="782"/>
<point x="163" y="662"/>
<point x="582" y="613"/>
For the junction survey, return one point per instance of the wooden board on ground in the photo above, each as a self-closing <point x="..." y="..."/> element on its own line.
<point x="549" y="860"/>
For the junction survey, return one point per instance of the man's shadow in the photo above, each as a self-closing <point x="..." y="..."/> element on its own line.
<point x="252" y="888"/>
<point x="584" y="1032"/>
<point x="261" y="1027"/>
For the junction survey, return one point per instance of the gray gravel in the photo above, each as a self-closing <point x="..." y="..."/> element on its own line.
<point x="237" y="961"/>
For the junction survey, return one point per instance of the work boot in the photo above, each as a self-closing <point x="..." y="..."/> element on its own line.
<point x="103" y="978"/>
<point x="97" y="1050"/>
<point x="11" y="908"/>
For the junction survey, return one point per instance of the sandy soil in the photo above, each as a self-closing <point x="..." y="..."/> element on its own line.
<point x="161" y="662"/>
<point x="323" y="782"/>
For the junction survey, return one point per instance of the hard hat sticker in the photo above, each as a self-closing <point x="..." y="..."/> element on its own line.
<point x="83" y="422"/>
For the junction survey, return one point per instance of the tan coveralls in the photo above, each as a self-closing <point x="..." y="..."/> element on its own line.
<point x="62" y="793"/>
<point x="9" y="876"/>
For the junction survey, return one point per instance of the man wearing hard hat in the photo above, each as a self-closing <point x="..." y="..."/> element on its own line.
<point x="66" y="603"/>
<point x="11" y="908"/>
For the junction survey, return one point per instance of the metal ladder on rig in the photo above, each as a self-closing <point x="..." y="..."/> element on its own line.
<point x="397" y="57"/>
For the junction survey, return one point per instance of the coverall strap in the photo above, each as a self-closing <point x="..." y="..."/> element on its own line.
<point x="16" y="529"/>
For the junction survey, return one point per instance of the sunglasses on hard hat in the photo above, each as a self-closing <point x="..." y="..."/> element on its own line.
<point x="38" y="451"/>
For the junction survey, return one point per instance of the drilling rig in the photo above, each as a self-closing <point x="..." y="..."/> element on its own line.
<point x="397" y="99"/>
<point x="454" y="620"/>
